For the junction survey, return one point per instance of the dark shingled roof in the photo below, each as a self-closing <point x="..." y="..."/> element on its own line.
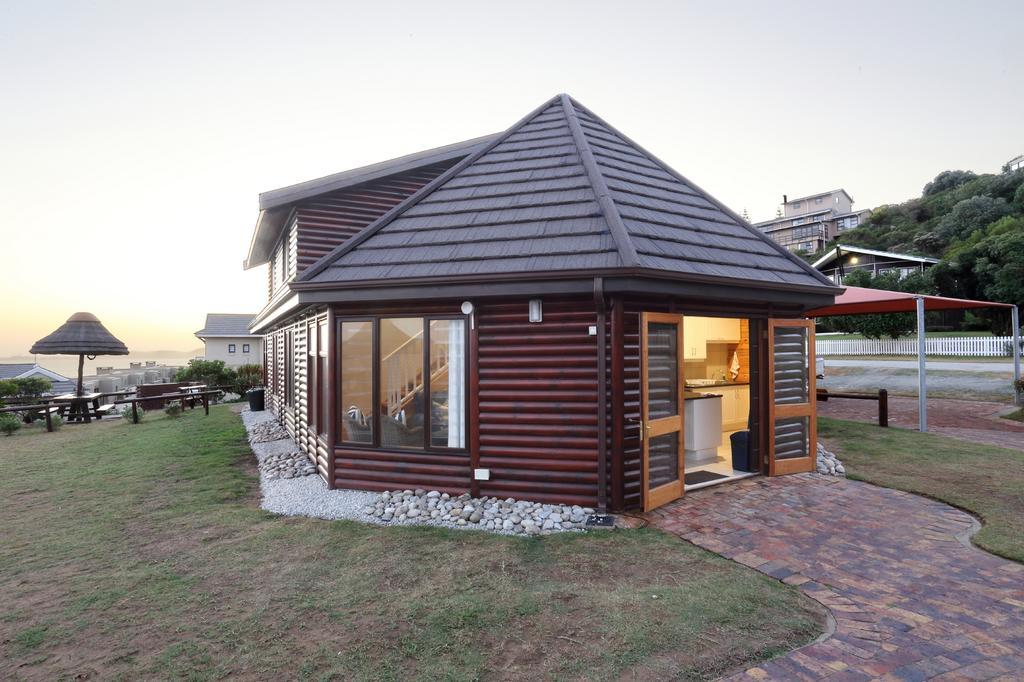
<point x="82" y="334"/>
<point x="226" y="324"/>
<point x="562" y="191"/>
<point x="11" y="370"/>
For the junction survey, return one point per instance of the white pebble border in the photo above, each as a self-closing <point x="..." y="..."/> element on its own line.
<point x="307" y="495"/>
<point x="828" y="464"/>
<point x="488" y="513"/>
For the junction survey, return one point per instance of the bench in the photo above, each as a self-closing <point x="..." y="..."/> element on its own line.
<point x="103" y="410"/>
<point x="882" y="397"/>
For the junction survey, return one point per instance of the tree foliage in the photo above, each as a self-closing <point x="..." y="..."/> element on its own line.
<point x="24" y="388"/>
<point x="973" y="223"/>
<point x="209" y="372"/>
<point x="947" y="180"/>
<point x="216" y="373"/>
<point x="970" y="216"/>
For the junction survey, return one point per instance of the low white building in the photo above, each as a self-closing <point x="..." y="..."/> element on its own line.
<point x="226" y="337"/>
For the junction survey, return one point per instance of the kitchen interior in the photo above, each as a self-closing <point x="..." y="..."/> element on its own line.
<point x="716" y="370"/>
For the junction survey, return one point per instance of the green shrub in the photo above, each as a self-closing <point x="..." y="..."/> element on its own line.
<point x="24" y="388"/>
<point x="9" y="423"/>
<point x="248" y="377"/>
<point x="126" y="413"/>
<point x="55" y="421"/>
<point x="173" y="410"/>
<point x="210" y="372"/>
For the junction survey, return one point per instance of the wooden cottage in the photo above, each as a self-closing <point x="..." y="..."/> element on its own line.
<point x="550" y="313"/>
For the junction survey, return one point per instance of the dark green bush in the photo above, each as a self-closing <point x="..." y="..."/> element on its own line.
<point x="9" y="423"/>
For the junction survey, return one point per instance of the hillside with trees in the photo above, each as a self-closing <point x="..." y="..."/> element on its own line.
<point x="973" y="223"/>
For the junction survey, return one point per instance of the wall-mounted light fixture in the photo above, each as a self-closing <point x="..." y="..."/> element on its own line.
<point x="467" y="308"/>
<point x="536" y="310"/>
<point x="855" y="260"/>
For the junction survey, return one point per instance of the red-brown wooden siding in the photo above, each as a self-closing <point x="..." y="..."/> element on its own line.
<point x="294" y="417"/>
<point x="538" y="402"/>
<point x="326" y="221"/>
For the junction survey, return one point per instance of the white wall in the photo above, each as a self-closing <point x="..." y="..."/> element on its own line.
<point x="217" y="349"/>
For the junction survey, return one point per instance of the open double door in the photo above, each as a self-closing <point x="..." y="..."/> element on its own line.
<point x="791" y="439"/>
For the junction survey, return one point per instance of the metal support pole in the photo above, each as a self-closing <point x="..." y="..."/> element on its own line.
<point x="1015" y="322"/>
<point x="922" y="382"/>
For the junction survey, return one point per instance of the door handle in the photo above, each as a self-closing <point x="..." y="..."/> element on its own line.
<point x="643" y="427"/>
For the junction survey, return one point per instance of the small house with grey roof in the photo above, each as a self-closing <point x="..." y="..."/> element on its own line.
<point x="27" y="370"/>
<point x="226" y="337"/>
<point x="549" y="313"/>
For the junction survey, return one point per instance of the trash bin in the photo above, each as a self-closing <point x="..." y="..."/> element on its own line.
<point x="256" y="396"/>
<point x="740" y="450"/>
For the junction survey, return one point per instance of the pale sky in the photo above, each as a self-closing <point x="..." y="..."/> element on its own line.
<point x="137" y="136"/>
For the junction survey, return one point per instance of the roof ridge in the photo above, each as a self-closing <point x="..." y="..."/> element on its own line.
<point x="373" y="228"/>
<point x="804" y="265"/>
<point x="623" y="243"/>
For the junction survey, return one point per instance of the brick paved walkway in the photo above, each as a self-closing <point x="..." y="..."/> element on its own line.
<point x="911" y="598"/>
<point x="970" y="420"/>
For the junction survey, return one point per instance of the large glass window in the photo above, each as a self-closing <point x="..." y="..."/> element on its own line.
<point x="356" y="381"/>
<point x="402" y="387"/>
<point x="447" y="383"/>
<point x="323" y="385"/>
<point x="403" y="382"/>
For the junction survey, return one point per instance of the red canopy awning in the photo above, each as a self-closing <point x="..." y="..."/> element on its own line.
<point x="861" y="301"/>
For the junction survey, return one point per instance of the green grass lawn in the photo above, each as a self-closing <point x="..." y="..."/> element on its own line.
<point x="983" y="479"/>
<point x="140" y="552"/>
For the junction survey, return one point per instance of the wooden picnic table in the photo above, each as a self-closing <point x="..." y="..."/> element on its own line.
<point x="80" y="408"/>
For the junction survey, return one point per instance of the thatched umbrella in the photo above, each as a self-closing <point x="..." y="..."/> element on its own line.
<point x="81" y="335"/>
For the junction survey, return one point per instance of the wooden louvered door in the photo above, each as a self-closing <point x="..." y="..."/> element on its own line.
<point x="661" y="387"/>
<point x="792" y="428"/>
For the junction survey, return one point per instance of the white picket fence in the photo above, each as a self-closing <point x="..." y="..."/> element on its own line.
<point x="964" y="346"/>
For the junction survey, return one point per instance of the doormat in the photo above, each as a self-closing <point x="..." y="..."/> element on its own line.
<point x="702" y="477"/>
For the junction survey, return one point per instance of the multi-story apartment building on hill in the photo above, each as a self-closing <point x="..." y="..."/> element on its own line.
<point x="809" y="223"/>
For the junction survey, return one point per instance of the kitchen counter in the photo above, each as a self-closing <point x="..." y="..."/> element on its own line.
<point x="693" y="395"/>
<point x="718" y="383"/>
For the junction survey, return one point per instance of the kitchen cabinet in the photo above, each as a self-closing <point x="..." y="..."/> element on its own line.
<point x="722" y="329"/>
<point x="695" y="338"/>
<point x="735" y="404"/>
<point x="702" y="430"/>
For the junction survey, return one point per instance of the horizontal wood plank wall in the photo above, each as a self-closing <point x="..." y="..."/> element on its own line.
<point x="367" y="469"/>
<point x="326" y="221"/>
<point x="538" y="402"/>
<point x="293" y="417"/>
